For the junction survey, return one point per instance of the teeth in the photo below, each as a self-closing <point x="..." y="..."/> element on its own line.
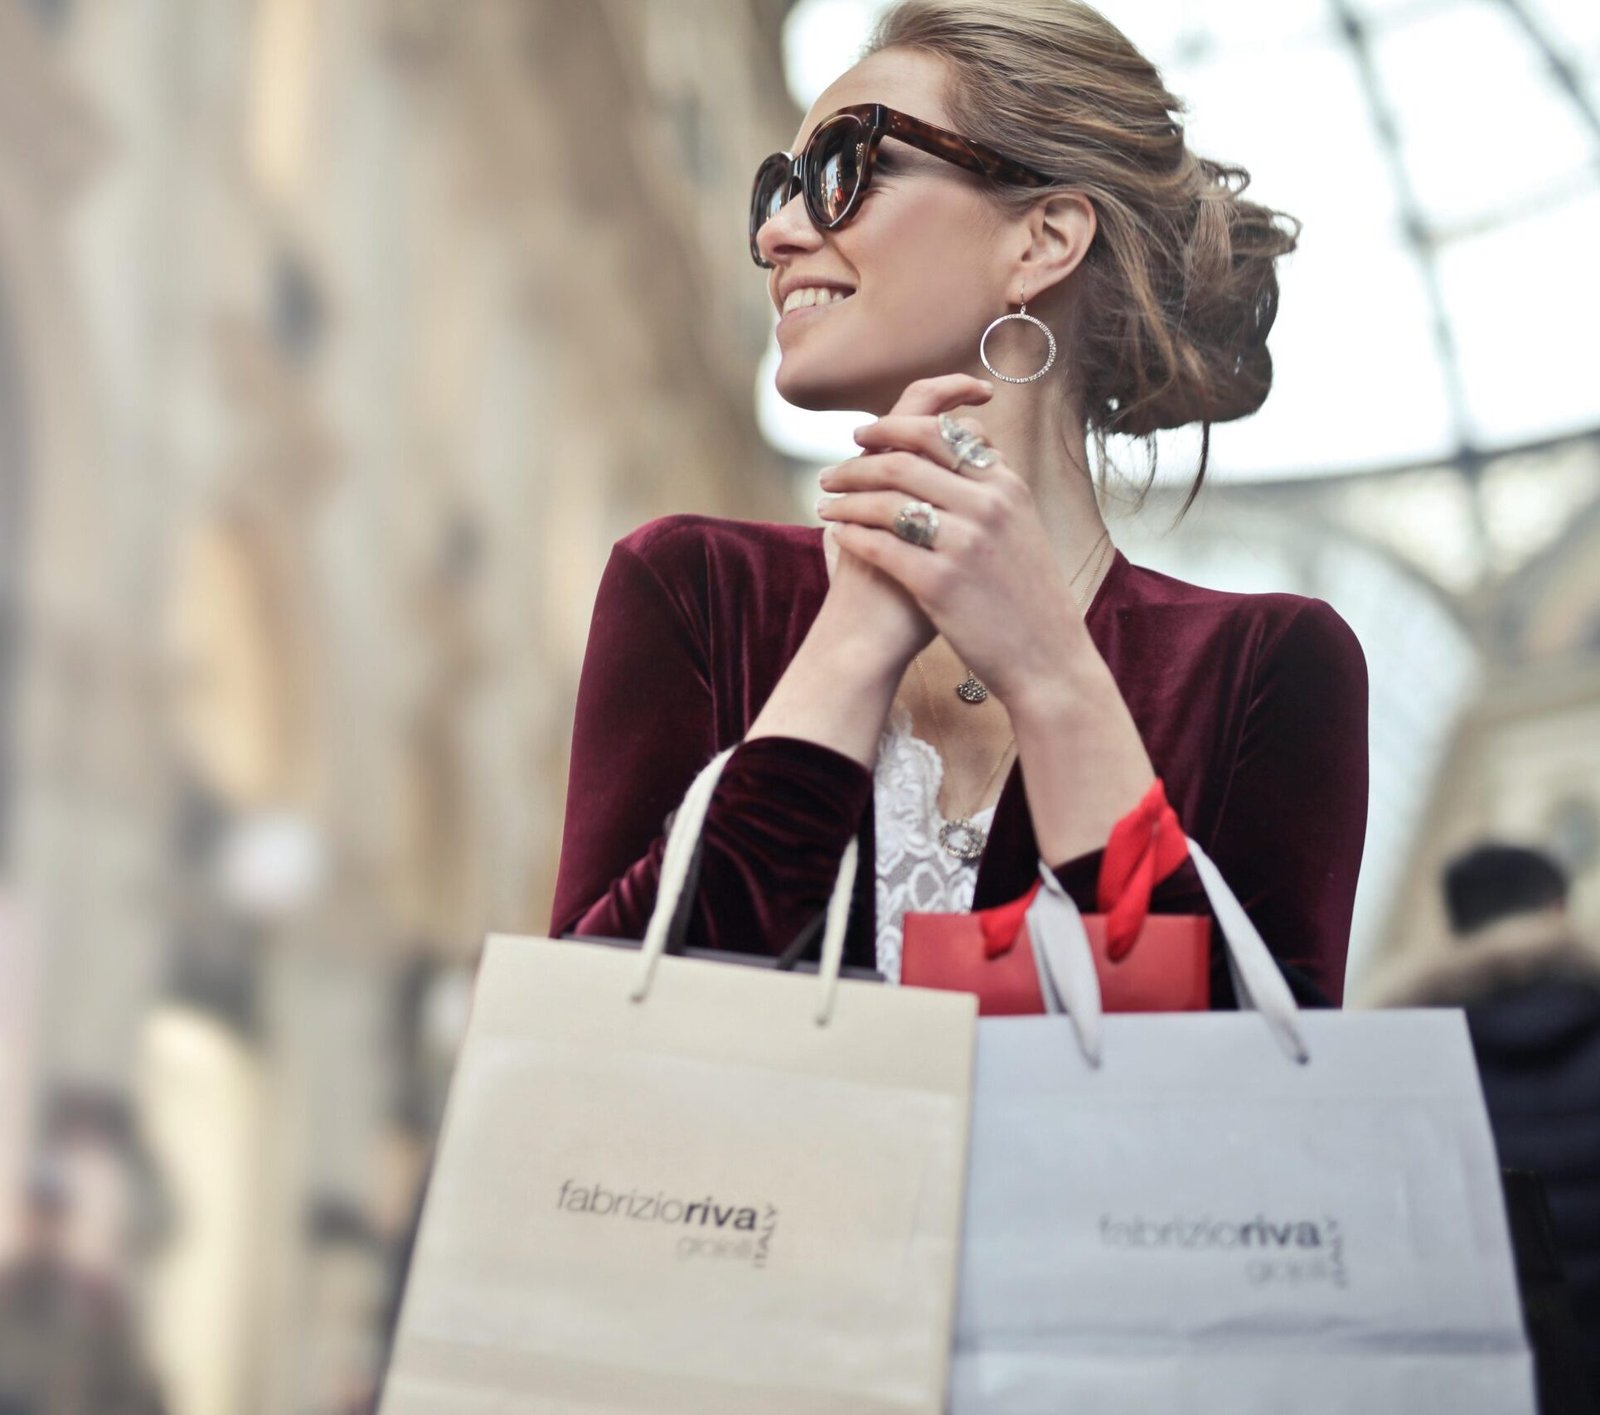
<point x="808" y="295"/>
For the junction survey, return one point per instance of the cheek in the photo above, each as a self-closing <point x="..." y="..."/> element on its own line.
<point x="931" y="275"/>
<point x="928" y="304"/>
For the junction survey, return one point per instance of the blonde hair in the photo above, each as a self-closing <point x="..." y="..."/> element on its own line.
<point x="1178" y="291"/>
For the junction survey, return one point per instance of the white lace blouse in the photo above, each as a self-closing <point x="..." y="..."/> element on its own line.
<point x="915" y="872"/>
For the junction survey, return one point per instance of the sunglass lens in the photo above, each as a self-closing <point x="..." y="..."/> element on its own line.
<point x="770" y="191"/>
<point x="772" y="187"/>
<point x="834" y="166"/>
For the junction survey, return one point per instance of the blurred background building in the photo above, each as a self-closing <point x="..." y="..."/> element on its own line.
<point x="338" y="341"/>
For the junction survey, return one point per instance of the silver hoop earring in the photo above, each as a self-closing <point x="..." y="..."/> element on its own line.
<point x="1039" y="324"/>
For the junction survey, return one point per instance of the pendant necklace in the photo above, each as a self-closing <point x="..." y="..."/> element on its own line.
<point x="962" y="836"/>
<point x="972" y="689"/>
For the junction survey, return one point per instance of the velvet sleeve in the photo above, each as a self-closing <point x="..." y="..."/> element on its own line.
<point x="646" y="722"/>
<point x="1294" y="817"/>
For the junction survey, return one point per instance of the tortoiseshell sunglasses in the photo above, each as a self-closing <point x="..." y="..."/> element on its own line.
<point x="834" y="169"/>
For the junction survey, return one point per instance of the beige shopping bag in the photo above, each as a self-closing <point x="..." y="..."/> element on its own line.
<point x="666" y="1184"/>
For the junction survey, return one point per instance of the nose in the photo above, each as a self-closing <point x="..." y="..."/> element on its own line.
<point x="787" y="232"/>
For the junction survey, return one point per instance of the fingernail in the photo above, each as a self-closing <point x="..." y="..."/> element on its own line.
<point x="865" y="427"/>
<point x="825" y="476"/>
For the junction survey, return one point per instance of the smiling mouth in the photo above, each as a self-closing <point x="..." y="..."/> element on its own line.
<point x="814" y="297"/>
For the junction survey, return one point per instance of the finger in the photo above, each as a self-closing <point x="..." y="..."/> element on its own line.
<point x="927" y="396"/>
<point x="922" y="434"/>
<point x="907" y="475"/>
<point x="910" y="565"/>
<point x="880" y="508"/>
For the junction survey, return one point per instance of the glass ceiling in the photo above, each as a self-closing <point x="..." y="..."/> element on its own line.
<point x="1445" y="158"/>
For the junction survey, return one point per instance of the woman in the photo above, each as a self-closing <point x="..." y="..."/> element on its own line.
<point x="964" y="611"/>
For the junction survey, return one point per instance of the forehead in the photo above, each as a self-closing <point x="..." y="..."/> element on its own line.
<point x="907" y="79"/>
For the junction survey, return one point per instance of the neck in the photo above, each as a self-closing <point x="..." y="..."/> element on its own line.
<point x="1041" y="435"/>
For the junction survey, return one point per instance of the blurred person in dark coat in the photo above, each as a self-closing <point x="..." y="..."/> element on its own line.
<point x="1530" y="986"/>
<point x="67" y="1344"/>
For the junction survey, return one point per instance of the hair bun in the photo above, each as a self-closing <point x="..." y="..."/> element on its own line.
<point x="1216" y="301"/>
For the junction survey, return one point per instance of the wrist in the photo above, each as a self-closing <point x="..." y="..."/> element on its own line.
<point x="835" y="692"/>
<point x="1062" y="694"/>
<point x="854" y="670"/>
<point x="860" y="657"/>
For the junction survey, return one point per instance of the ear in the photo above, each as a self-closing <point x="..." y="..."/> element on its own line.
<point x="1059" y="230"/>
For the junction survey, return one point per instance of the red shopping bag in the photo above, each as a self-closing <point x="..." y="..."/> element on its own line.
<point x="1168" y="968"/>
<point x="1145" y="962"/>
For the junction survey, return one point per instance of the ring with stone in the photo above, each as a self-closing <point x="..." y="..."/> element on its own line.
<point x="952" y="432"/>
<point x="964" y="446"/>
<point x="975" y="452"/>
<point x="917" y="523"/>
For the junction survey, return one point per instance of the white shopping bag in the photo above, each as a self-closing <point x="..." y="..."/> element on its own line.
<point x="1231" y="1214"/>
<point x="665" y="1184"/>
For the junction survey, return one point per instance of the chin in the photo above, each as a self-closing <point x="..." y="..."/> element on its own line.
<point x="837" y="393"/>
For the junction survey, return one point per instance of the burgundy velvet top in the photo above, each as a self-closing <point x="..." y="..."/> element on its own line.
<point x="1253" y="709"/>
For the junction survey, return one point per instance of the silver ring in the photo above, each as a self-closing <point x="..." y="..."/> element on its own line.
<point x="917" y="523"/>
<point x="965" y="446"/>
<point x="952" y="432"/>
<point x="977" y="452"/>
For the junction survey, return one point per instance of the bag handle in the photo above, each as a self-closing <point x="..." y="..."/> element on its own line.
<point x="1067" y="979"/>
<point x="676" y="861"/>
<point x="1059" y="939"/>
